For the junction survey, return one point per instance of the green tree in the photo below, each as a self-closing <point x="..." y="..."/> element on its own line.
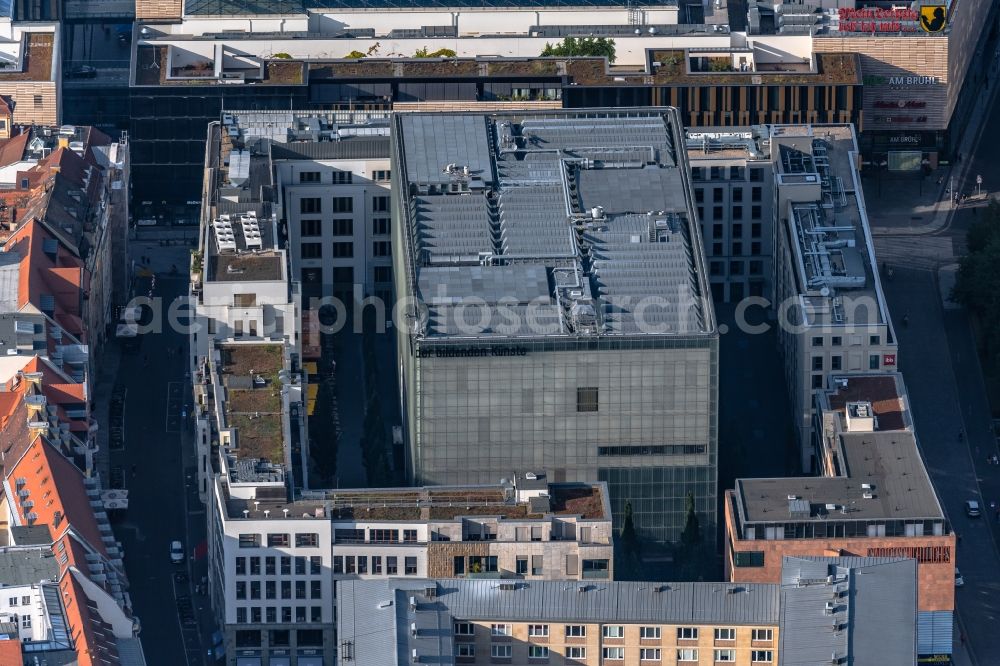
<point x="691" y="536"/>
<point x="719" y="65"/>
<point x="977" y="285"/>
<point x="440" y="53"/>
<point x="355" y="55"/>
<point x="585" y="46"/>
<point x="282" y="56"/>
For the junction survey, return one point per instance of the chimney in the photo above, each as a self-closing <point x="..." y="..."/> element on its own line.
<point x="860" y="417"/>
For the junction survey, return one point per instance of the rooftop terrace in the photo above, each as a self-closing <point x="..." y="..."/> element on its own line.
<point x="579" y="223"/>
<point x="36" y="64"/>
<point x="253" y="399"/>
<point x="243" y="7"/>
<point x="436" y="503"/>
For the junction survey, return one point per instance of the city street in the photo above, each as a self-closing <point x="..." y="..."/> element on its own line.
<point x="163" y="502"/>
<point x="938" y="359"/>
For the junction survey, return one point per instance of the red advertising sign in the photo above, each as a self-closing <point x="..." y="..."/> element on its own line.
<point x="878" y="20"/>
<point x="888" y="359"/>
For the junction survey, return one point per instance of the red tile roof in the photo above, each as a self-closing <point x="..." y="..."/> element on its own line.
<point x="55" y="485"/>
<point x="12" y="149"/>
<point x="86" y="627"/>
<point x="10" y="652"/>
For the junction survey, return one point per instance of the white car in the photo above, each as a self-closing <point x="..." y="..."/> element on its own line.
<point x="959" y="581"/>
<point x="176" y="552"/>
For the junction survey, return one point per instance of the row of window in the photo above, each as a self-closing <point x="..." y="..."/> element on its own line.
<point x="269" y="614"/>
<point x="342" y="226"/>
<point x="270" y="589"/>
<point x="736" y="231"/>
<point x="358" y="564"/>
<point x="651" y="450"/>
<point x="732" y="173"/>
<point x="505" y="650"/>
<point x="503" y="630"/>
<point x="854" y="340"/>
<point x="302" y="540"/>
<point x="344" y="250"/>
<point x="737" y="213"/>
<point x="736" y="249"/>
<point x="340" y="204"/>
<point x="271" y="565"/>
<point x="717" y="268"/>
<point x="342" y="177"/>
<point x="718" y="194"/>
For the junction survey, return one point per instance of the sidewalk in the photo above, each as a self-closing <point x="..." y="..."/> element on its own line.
<point x="899" y="210"/>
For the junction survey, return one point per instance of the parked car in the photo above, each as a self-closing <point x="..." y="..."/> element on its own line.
<point x="959" y="581"/>
<point x="972" y="509"/>
<point x="176" y="552"/>
<point x="82" y="72"/>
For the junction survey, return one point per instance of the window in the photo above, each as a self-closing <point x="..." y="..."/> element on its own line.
<point x="499" y="630"/>
<point x="342" y="177"/>
<point x="716" y="173"/>
<point x="270" y="589"/>
<point x="249" y="541"/>
<point x="411" y="566"/>
<point x="687" y="633"/>
<point x="269" y="566"/>
<point x="343" y="205"/>
<point x="377" y="565"/>
<point x="817" y="341"/>
<point x="755" y="230"/>
<point x="380" y="226"/>
<point x="308" y="540"/>
<point x="536" y="533"/>
<point x="576" y="631"/>
<point x="737" y="231"/>
<point x="241" y="566"/>
<point x="383" y="536"/>
<point x="382" y="274"/>
<point x="338" y="564"/>
<point x="254" y="566"/>
<point x="836" y="363"/>
<point x="538" y="630"/>
<point x="701" y="212"/>
<point x="380" y="204"/>
<point x="817" y="381"/>
<point x="286" y="566"/>
<point x="737" y="212"/>
<point x="300" y="565"/>
<point x="836" y="341"/>
<point x="817" y="362"/>
<point x="309" y="177"/>
<point x="614" y="653"/>
<point x="315" y="565"/>
<point x="409" y="536"/>
<point x="649" y="654"/>
<point x="38" y="102"/>
<point x="750" y="558"/>
<point x="726" y="634"/>
<point x="725" y="655"/>
<point x="390" y="566"/>
<point x="614" y="631"/>
<point x="766" y="635"/>
<point x="312" y="250"/>
<point x="315" y="589"/>
<point x="286" y="614"/>
<point x="756" y="193"/>
<point x="311" y="205"/>
<point x="381" y="176"/>
<point x="315" y="613"/>
<point x="873" y="362"/>
<point x="716" y="268"/>
<point x="463" y="628"/>
<point x="286" y="589"/>
<point x="255" y="589"/>
<point x="756" y="174"/>
<point x="761" y="656"/>
<point x="717" y="194"/>
<point x="697" y="173"/>
<point x="737" y="249"/>
<point x="576" y="652"/>
<point x="241" y="615"/>
<point x="736" y="268"/>
<point x="716" y="212"/>
<point x="300" y="589"/>
<point x="241" y="589"/>
<point x="343" y="250"/>
<point x="310" y="227"/>
<point x="699" y="195"/>
<point x="300" y="614"/>
<point x="255" y="614"/>
<point x="271" y="614"/>
<point x="735" y="173"/>
<point x="538" y="652"/>
<point x="500" y="651"/>
<point x="458" y="569"/>
<point x="349" y="564"/>
<point x="521" y="565"/>
<point x="586" y="399"/>
<point x="343" y="226"/>
<point x="874" y="340"/>
<point x="465" y="650"/>
<point x="649" y="633"/>
<point x="687" y="654"/>
<point x="381" y="248"/>
<point x="756" y="267"/>
<point x="755" y="248"/>
<point x="717" y="231"/>
<point x="755" y="212"/>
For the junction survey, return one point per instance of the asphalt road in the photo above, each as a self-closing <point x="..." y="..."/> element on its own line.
<point x="939" y="361"/>
<point x="153" y="474"/>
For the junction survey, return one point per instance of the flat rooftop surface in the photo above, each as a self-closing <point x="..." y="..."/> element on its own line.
<point x="887" y="459"/>
<point x="243" y="7"/>
<point x="551" y="224"/>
